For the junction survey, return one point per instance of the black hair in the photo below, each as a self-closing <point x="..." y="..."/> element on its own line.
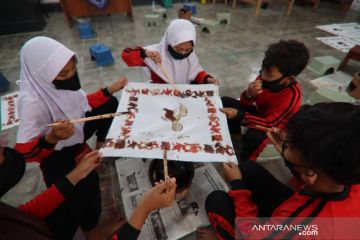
<point x="328" y="137"/>
<point x="290" y="57"/>
<point x="182" y="171"/>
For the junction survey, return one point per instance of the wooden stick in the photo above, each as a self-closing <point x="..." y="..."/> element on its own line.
<point x="171" y="81"/>
<point x="267" y="129"/>
<point x="330" y="85"/>
<point x="166" y="173"/>
<point x="108" y="115"/>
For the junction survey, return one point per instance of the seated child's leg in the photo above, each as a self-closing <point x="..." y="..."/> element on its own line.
<point x="221" y="212"/>
<point x="101" y="126"/>
<point x="234" y="126"/>
<point x="82" y="208"/>
<point x="91" y="216"/>
<point x="267" y="192"/>
<point x="58" y="164"/>
<point x="254" y="141"/>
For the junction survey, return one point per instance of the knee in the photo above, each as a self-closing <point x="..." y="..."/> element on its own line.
<point x="227" y="101"/>
<point x="214" y="200"/>
<point x="247" y="165"/>
<point x="113" y="104"/>
<point x="254" y="136"/>
<point x="90" y="183"/>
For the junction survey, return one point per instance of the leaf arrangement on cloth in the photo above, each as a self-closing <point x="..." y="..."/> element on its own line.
<point x="9" y="114"/>
<point x="190" y="128"/>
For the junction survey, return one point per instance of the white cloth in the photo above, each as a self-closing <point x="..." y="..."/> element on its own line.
<point x="181" y="71"/>
<point x="40" y="103"/>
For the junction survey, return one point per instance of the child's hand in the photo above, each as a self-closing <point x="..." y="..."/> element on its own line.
<point x="154" y="55"/>
<point x="230" y="112"/>
<point x="62" y="131"/>
<point x="89" y="162"/>
<point x="212" y="81"/>
<point x="231" y="171"/>
<point x="254" y="89"/>
<point x="117" y="86"/>
<point x="277" y="138"/>
<point x="162" y="195"/>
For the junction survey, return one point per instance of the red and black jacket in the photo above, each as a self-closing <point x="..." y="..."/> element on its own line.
<point x="135" y="57"/>
<point x="301" y="204"/>
<point x="273" y="108"/>
<point x="37" y="149"/>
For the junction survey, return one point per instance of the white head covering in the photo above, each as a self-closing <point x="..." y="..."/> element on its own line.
<point x="182" y="71"/>
<point x="40" y="103"/>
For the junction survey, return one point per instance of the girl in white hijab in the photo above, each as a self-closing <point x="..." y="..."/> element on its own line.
<point x="50" y="91"/>
<point x="175" y="54"/>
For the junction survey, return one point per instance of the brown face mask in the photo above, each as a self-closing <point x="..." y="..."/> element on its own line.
<point x="353" y="88"/>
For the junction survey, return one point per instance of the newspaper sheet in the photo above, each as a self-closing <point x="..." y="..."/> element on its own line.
<point x="342" y="44"/>
<point x="186" y="214"/>
<point x="347" y="30"/>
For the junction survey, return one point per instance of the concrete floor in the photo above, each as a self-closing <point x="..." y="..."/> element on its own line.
<point x="233" y="54"/>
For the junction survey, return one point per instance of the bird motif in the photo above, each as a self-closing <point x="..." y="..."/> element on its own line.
<point x="175" y="116"/>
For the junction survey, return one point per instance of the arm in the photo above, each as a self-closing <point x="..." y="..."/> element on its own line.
<point x="247" y="101"/>
<point x="249" y="96"/>
<point x="201" y="78"/>
<point x="36" y="149"/>
<point x="278" y="112"/>
<point x="159" y="196"/>
<point x="101" y="96"/>
<point x="98" y="98"/>
<point x="133" y="56"/>
<point x="40" y="147"/>
<point x="46" y="202"/>
<point x="244" y="207"/>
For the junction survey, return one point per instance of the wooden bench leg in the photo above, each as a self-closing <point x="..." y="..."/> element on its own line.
<point x="291" y="4"/>
<point x="344" y="62"/>
<point x="258" y="5"/>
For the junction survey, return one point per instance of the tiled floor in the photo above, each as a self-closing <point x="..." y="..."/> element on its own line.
<point x="233" y="54"/>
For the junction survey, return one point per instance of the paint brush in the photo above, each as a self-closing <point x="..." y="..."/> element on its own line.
<point x="165" y="162"/>
<point x="267" y="129"/>
<point x="108" y="115"/>
<point x="171" y="81"/>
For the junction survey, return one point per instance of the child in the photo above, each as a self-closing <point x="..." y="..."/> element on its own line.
<point x="50" y="90"/>
<point x="271" y="99"/>
<point x="175" y="53"/>
<point x="54" y="213"/>
<point x="321" y="149"/>
<point x="182" y="171"/>
<point x="64" y="206"/>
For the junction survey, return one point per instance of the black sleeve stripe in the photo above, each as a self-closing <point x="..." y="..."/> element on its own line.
<point x="33" y="153"/>
<point x="34" y="149"/>
<point x="296" y="94"/>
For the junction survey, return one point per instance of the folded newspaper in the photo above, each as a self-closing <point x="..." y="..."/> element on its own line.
<point x="186" y="214"/>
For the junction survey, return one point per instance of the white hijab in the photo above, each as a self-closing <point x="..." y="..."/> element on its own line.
<point x="182" y="71"/>
<point x="40" y="103"/>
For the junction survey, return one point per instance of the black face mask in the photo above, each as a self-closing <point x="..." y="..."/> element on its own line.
<point x="273" y="86"/>
<point x="11" y="170"/>
<point x="72" y="83"/>
<point x="177" y="55"/>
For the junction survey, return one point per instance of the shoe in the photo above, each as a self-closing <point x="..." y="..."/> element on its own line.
<point x="205" y="30"/>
